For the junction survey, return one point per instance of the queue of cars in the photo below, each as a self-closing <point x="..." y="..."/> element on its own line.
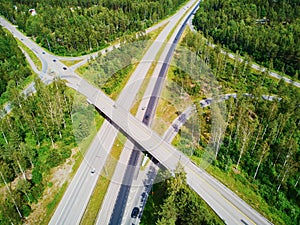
<point x="136" y="212"/>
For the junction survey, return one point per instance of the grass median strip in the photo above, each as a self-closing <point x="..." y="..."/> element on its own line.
<point x="142" y="90"/>
<point x="70" y="62"/>
<point x="103" y="182"/>
<point x="37" y="62"/>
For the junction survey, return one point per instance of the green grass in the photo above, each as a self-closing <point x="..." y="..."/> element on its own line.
<point x="82" y="69"/>
<point x="37" y="62"/>
<point x="103" y="182"/>
<point x="53" y="204"/>
<point x="247" y="191"/>
<point x="70" y="62"/>
<point x="143" y="88"/>
<point x="120" y="82"/>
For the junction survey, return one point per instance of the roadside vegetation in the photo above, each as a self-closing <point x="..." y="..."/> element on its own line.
<point x="91" y="25"/>
<point x="36" y="138"/>
<point x="37" y="62"/>
<point x="14" y="71"/>
<point x="259" y="156"/>
<point x="268" y="31"/>
<point x="173" y="202"/>
<point x="111" y="71"/>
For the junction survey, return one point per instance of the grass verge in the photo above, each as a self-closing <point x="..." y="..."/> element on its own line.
<point x="37" y="62"/>
<point x="103" y="182"/>
<point x="53" y="204"/>
<point x="142" y="90"/>
<point x="70" y="62"/>
<point x="119" y="82"/>
<point x="246" y="191"/>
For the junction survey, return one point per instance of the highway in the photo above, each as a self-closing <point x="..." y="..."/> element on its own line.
<point x="72" y="206"/>
<point x="223" y="201"/>
<point x="230" y="208"/>
<point x="136" y="189"/>
<point x="70" y="212"/>
<point x="134" y="162"/>
<point x="124" y="175"/>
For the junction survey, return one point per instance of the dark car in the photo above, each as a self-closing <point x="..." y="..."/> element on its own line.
<point x="135" y="212"/>
<point x="141" y="213"/>
<point x="182" y="118"/>
<point x="143" y="196"/>
<point x="64" y="68"/>
<point x="175" y="126"/>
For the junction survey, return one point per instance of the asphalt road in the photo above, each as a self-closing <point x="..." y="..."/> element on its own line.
<point x="121" y="184"/>
<point x="69" y="212"/>
<point x="224" y="202"/>
<point x="135" y="157"/>
<point x="136" y="189"/>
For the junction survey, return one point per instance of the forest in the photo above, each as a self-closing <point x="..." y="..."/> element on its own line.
<point x="268" y="31"/>
<point x="262" y="137"/>
<point x="79" y="26"/>
<point x="34" y="138"/>
<point x="173" y="202"/>
<point x="13" y="66"/>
